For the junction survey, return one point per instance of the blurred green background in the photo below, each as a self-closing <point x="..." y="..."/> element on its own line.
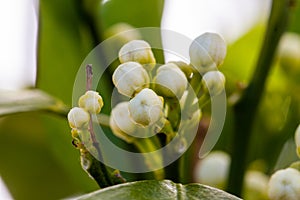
<point x="38" y="160"/>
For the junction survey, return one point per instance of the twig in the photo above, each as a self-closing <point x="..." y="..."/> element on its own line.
<point x="89" y="83"/>
<point x="89" y="77"/>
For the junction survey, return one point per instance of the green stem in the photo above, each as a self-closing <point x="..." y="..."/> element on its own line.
<point x="245" y="110"/>
<point x="103" y="119"/>
<point x="147" y="145"/>
<point x="172" y="171"/>
<point x="96" y="169"/>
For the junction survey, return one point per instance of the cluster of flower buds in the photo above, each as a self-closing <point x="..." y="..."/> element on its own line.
<point x="89" y="103"/>
<point x="131" y="78"/>
<point x="148" y="96"/>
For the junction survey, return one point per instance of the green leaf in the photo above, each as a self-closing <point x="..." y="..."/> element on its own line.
<point x="138" y="13"/>
<point x="12" y="102"/>
<point x="63" y="44"/>
<point x="295" y="17"/>
<point x="64" y="41"/>
<point x="152" y="189"/>
<point x="29" y="167"/>
<point x="241" y="57"/>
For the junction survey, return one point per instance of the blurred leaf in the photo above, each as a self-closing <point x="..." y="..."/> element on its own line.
<point x="242" y="56"/>
<point x="287" y="155"/>
<point x="12" y="102"/>
<point x="28" y="166"/>
<point x="138" y="13"/>
<point x="275" y="120"/>
<point x="166" y="190"/>
<point x="64" y="41"/>
<point x="294" y="25"/>
<point x="238" y="67"/>
<point x="63" y="44"/>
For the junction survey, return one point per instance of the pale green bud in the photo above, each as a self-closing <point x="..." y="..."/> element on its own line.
<point x="125" y="32"/>
<point x="284" y="185"/>
<point x="78" y="118"/>
<point x="91" y="101"/>
<point x="130" y="78"/>
<point x="214" y="82"/>
<point x="255" y="185"/>
<point x="170" y="81"/>
<point x="297" y="140"/>
<point x="289" y="54"/>
<point x="213" y="169"/>
<point x="207" y="52"/>
<point x="121" y="123"/>
<point x="146" y="107"/>
<point x="137" y="51"/>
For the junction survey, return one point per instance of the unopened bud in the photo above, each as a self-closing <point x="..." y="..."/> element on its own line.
<point x="129" y="78"/>
<point x="124" y="32"/>
<point x="213" y="169"/>
<point x="289" y="54"/>
<point x="207" y="52"/>
<point x="121" y="123"/>
<point x="214" y="82"/>
<point x="284" y="184"/>
<point x="91" y="101"/>
<point x="78" y="118"/>
<point x="255" y="185"/>
<point x="170" y="81"/>
<point x="146" y="107"/>
<point x="137" y="51"/>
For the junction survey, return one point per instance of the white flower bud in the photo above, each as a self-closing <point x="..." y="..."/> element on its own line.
<point x="255" y="185"/>
<point x="213" y="169"/>
<point x="284" y="185"/>
<point x="289" y="54"/>
<point x="91" y="101"/>
<point x="146" y="107"/>
<point x="129" y="78"/>
<point x="137" y="51"/>
<point x="170" y="81"/>
<point x="214" y="82"/>
<point x="121" y="123"/>
<point x="78" y="118"/>
<point x="297" y="140"/>
<point x="207" y="52"/>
